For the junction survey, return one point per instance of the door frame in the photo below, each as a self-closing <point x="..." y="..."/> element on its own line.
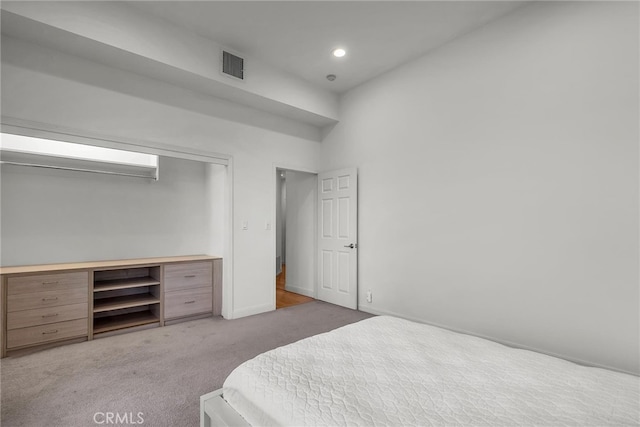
<point x="274" y="175"/>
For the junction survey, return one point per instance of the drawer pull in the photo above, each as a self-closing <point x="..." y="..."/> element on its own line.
<point x="52" y="331"/>
<point x="44" y="316"/>
<point x="188" y="276"/>
<point x="50" y="299"/>
<point x="50" y="283"/>
<point x="189" y="302"/>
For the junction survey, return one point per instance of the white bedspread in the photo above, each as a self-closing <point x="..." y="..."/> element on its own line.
<point x="393" y="372"/>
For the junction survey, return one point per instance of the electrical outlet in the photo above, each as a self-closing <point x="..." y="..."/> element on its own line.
<point x="369" y="296"/>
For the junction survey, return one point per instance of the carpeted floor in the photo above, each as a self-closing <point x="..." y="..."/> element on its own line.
<point x="159" y="372"/>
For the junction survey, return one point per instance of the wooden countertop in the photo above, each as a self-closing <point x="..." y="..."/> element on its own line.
<point x="93" y="265"/>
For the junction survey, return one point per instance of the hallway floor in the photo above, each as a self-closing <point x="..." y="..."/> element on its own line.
<point x="286" y="298"/>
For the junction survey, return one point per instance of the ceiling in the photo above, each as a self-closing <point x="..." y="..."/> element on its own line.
<point x="298" y="36"/>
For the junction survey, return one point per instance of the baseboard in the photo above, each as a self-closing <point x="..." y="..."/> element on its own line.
<point x="299" y="290"/>
<point x="187" y="318"/>
<point x="381" y="312"/>
<point x="250" y="311"/>
<point x="36" y="348"/>
<point x="126" y="330"/>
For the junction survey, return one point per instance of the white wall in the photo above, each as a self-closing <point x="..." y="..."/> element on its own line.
<point x="61" y="216"/>
<point x="217" y="207"/>
<point x="499" y="182"/>
<point x="115" y="27"/>
<point x="46" y="86"/>
<point x="300" y="217"/>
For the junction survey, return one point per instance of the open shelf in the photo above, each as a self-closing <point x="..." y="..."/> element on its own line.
<point x="127" y="301"/>
<point x="126" y="297"/>
<point x="129" y="320"/>
<point x="136" y="282"/>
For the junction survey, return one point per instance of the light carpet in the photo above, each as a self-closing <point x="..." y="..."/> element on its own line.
<point x="159" y="373"/>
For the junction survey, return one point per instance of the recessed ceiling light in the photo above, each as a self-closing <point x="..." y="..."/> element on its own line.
<point x="339" y="52"/>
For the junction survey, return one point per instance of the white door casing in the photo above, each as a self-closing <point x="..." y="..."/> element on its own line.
<point x="338" y="237"/>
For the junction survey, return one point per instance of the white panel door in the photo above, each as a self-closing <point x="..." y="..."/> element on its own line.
<point x="338" y="237"/>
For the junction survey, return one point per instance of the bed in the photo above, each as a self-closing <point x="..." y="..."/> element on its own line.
<point x="386" y="371"/>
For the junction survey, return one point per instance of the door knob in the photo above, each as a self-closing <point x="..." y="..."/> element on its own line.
<point x="352" y="245"/>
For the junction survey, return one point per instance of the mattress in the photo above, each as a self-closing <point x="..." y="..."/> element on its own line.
<point x="389" y="371"/>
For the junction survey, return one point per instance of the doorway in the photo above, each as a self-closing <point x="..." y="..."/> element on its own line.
<point x="295" y="237"/>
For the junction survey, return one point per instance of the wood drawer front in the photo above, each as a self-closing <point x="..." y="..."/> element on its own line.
<point x="47" y="282"/>
<point x="188" y="275"/>
<point x="47" y="299"/>
<point x="188" y="302"/>
<point x="46" y="333"/>
<point x="44" y="316"/>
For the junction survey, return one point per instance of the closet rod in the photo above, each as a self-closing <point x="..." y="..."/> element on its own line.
<point x="34" y="165"/>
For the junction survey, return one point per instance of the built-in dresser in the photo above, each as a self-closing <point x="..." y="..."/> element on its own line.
<point x="54" y="304"/>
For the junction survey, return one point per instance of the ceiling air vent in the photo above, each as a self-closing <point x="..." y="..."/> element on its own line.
<point x="232" y="65"/>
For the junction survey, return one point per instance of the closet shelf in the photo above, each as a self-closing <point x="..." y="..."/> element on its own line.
<point x="112" y="323"/>
<point x="128" y="301"/>
<point x="111" y="285"/>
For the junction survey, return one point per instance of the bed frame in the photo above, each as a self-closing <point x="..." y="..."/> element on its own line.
<point x="215" y="411"/>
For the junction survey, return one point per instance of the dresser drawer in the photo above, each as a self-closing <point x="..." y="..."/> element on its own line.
<point x="47" y="282"/>
<point x="47" y="299"/>
<point x="187" y="275"/>
<point x="188" y="302"/>
<point x="44" y="316"/>
<point x="46" y="333"/>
